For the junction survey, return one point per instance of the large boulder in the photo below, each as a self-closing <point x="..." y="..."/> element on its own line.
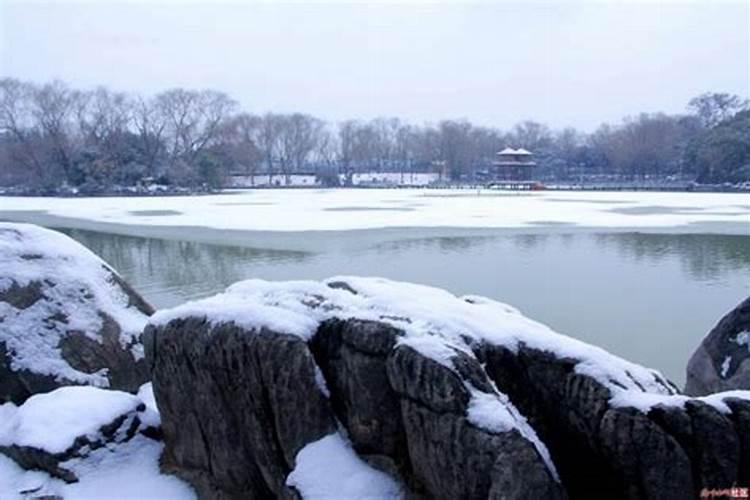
<point x="66" y="318"/>
<point x="451" y="397"/>
<point x="251" y="383"/>
<point x="722" y="360"/>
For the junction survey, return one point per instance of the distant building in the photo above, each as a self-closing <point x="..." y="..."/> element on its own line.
<point x="516" y="165"/>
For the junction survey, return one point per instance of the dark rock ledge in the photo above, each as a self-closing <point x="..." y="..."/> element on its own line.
<point x="722" y="360"/>
<point x="247" y="379"/>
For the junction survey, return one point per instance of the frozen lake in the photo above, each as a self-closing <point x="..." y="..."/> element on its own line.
<point x="343" y="209"/>
<point x="644" y="275"/>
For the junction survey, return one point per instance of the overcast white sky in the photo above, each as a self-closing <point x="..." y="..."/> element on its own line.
<point x="563" y="63"/>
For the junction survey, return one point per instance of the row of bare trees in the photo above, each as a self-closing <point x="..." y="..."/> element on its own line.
<point x="52" y="134"/>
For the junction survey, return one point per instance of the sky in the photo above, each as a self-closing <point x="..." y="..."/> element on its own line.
<point x="494" y="63"/>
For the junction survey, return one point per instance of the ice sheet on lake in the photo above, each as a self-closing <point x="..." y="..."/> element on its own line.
<point x="346" y="209"/>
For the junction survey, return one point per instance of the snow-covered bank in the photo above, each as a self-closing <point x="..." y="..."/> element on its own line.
<point x="348" y="209"/>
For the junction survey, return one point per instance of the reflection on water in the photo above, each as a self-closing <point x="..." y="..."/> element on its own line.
<point x="647" y="297"/>
<point x="170" y="272"/>
<point x="705" y="257"/>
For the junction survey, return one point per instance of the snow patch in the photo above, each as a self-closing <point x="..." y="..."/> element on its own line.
<point x="330" y="469"/>
<point x="150" y="416"/>
<point x="52" y="421"/>
<point x="645" y="401"/>
<point x="130" y="471"/>
<point x="725" y="366"/>
<point x="320" y="381"/>
<point x="495" y="413"/>
<point x="743" y="338"/>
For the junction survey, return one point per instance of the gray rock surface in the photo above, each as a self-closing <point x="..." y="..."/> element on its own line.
<point x="66" y="318"/>
<point x="609" y="451"/>
<point x="239" y="398"/>
<point x="722" y="360"/>
<point x="237" y="406"/>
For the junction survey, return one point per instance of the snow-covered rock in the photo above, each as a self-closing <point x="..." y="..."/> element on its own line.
<point x="130" y="471"/>
<point x="66" y="318"/>
<point x="722" y="360"/>
<point x="55" y="430"/>
<point x="453" y="397"/>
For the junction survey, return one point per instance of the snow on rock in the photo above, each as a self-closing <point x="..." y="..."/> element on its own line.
<point x="463" y="396"/>
<point x="18" y="484"/>
<point x="49" y="430"/>
<point x="129" y="472"/>
<point x="150" y="416"/>
<point x="54" y="420"/>
<point x="346" y="355"/>
<point x="329" y="469"/>
<point x="67" y="317"/>
<point x="435" y="322"/>
<point x="645" y="401"/>
<point x="496" y="413"/>
<point x="299" y="307"/>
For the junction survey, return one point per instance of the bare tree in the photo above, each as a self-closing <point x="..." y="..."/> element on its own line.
<point x="346" y="133"/>
<point x="300" y="134"/>
<point x="327" y="147"/>
<point x="385" y="130"/>
<point x="456" y="148"/>
<point x="192" y="121"/>
<point x="427" y="150"/>
<point x="53" y="107"/>
<point x="269" y="140"/>
<point x="404" y="146"/>
<point x="102" y="115"/>
<point x="243" y="133"/>
<point x="150" y="125"/>
<point x="531" y="135"/>
<point x="17" y="123"/>
<point x="713" y="108"/>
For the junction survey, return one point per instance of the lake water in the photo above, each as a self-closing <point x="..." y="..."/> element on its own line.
<point x="647" y="297"/>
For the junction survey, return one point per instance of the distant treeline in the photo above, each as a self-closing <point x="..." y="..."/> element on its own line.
<point x="52" y="135"/>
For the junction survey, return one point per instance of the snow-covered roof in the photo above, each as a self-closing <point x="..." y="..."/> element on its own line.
<point x="515" y="152"/>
